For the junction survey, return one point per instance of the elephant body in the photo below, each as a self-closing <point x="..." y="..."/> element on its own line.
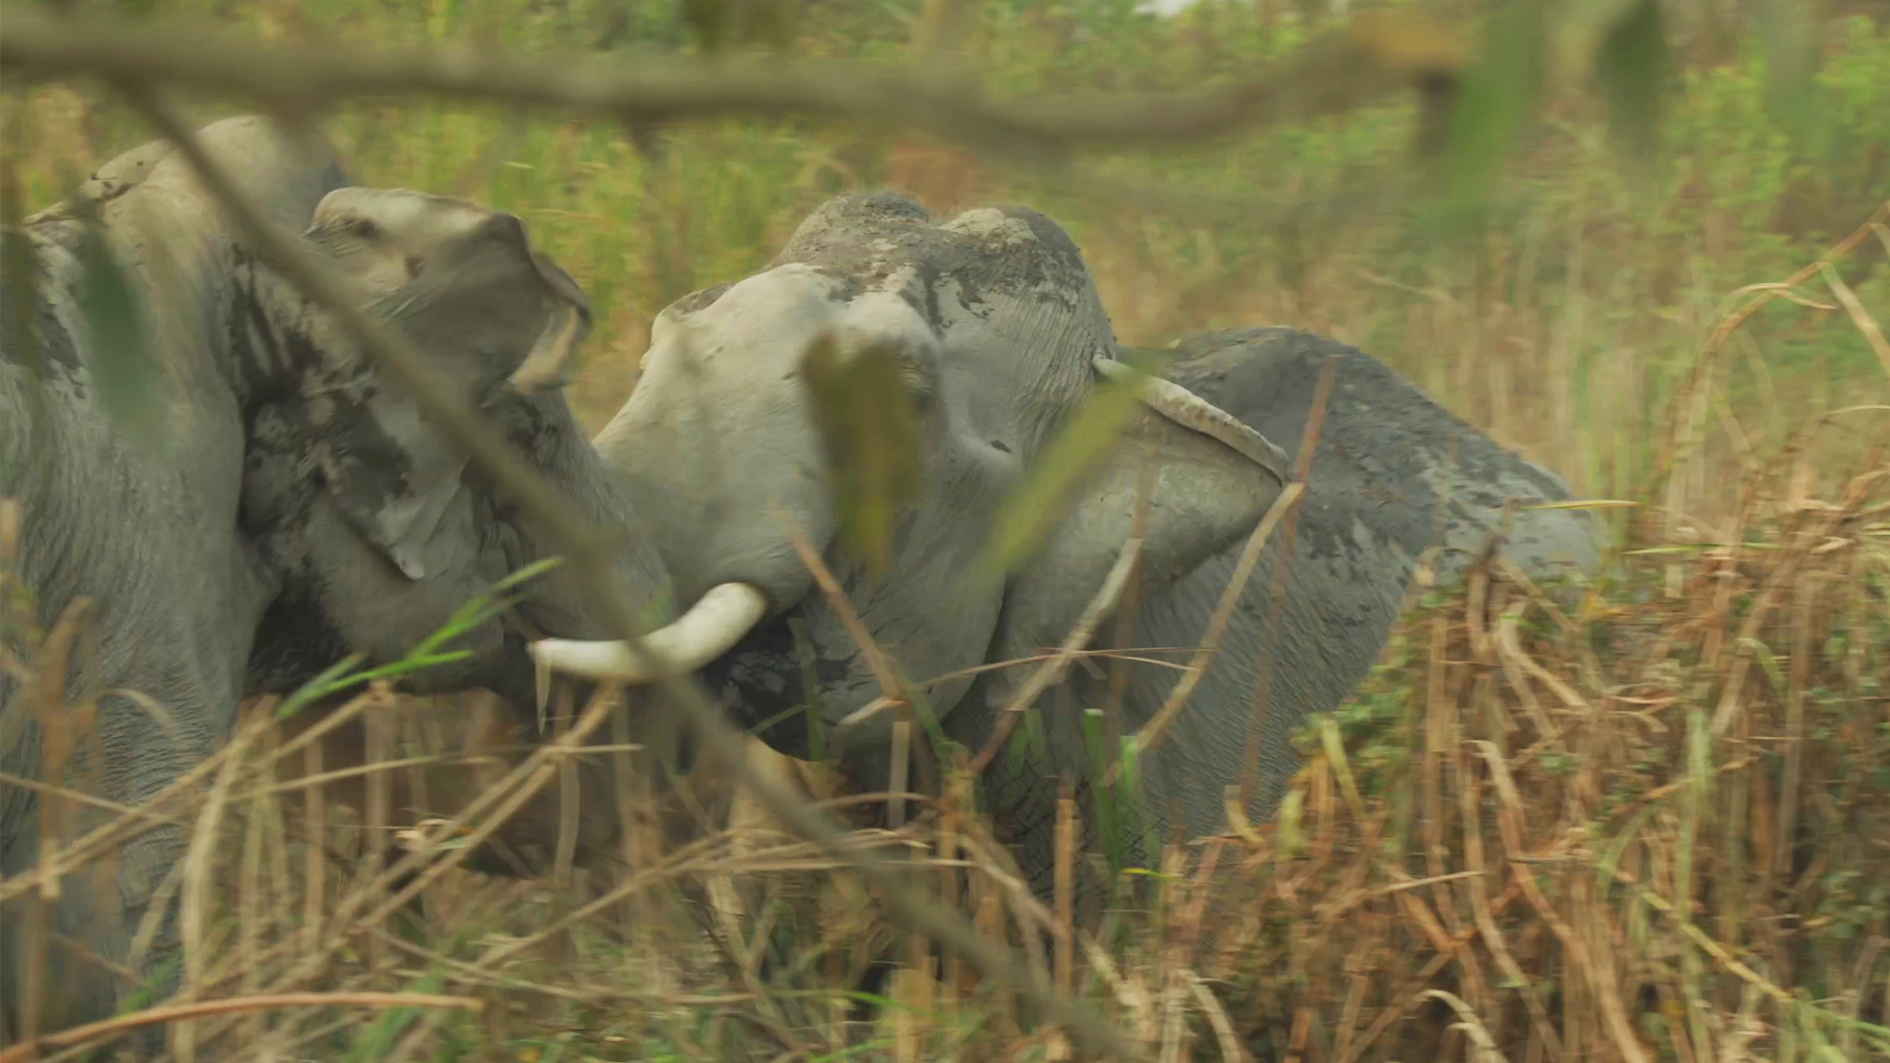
<point x="293" y="507"/>
<point x="1394" y="475"/>
<point x="144" y="527"/>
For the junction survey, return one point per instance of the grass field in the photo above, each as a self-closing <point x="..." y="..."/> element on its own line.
<point x="1662" y="818"/>
<point x="1562" y="330"/>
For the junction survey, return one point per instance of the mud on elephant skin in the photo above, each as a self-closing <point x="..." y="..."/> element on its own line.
<point x="192" y="545"/>
<point x="375" y="520"/>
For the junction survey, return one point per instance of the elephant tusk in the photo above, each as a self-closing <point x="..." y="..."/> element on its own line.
<point x="709" y="629"/>
<point x="1191" y="411"/>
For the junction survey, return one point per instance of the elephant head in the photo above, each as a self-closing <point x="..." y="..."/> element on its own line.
<point x="380" y="528"/>
<point x="999" y="336"/>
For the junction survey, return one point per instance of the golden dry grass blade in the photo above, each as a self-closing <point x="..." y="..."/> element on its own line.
<point x="1859" y="316"/>
<point x="98" y="1031"/>
<point x="1509" y="815"/>
<point x="1065" y="887"/>
<point x="197" y="879"/>
<point x="1105" y="599"/>
<point x="1469" y="802"/>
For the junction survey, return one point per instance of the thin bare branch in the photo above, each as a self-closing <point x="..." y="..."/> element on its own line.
<point x="1375" y="56"/>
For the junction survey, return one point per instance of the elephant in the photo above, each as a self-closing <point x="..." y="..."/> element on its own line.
<point x="1396" y="482"/>
<point x="145" y="530"/>
<point x="219" y="557"/>
<point x="999" y="335"/>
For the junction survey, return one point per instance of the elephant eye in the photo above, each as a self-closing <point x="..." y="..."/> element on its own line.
<point x="920" y="390"/>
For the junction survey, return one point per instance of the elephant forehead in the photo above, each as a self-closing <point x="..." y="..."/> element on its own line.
<point x="771" y="317"/>
<point x="887" y="319"/>
<point x="409" y="214"/>
<point x="979" y="258"/>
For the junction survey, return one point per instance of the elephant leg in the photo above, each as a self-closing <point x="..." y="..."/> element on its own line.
<point x="73" y="954"/>
<point x="77" y="968"/>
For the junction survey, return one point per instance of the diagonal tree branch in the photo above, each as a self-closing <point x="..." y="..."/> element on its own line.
<point x="1375" y="56"/>
<point x="588" y="552"/>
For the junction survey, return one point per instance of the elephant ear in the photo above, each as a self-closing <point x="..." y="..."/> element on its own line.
<point x="1211" y="479"/>
<point x="390" y="474"/>
<point x="394" y="476"/>
<point x="547" y="365"/>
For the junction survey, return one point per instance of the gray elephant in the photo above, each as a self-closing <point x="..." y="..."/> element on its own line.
<point x="219" y="556"/>
<point x="145" y="528"/>
<point x="1395" y="477"/>
<point x="1001" y="336"/>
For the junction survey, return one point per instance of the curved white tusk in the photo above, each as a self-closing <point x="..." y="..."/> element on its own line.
<point x="1189" y="410"/>
<point x="709" y="629"/>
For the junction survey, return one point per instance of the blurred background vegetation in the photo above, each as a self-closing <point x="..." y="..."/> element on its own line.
<point x="1563" y="317"/>
<point x="1556" y="281"/>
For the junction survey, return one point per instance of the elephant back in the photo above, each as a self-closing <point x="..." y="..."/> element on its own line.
<point x="1402" y="464"/>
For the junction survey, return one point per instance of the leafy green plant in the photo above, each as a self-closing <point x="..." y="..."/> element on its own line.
<point x="428" y="653"/>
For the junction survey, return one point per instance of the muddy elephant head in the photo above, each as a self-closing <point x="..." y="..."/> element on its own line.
<point x="373" y="515"/>
<point x="999" y="336"/>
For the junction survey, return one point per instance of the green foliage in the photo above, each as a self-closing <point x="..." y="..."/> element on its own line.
<point x="1633" y="66"/>
<point x="1494" y="104"/>
<point x="125" y="371"/>
<point x="1792" y="90"/>
<point x="427" y="654"/>
<point x="376" y="1038"/>
<point x="1037" y="504"/>
<point x="869" y="434"/>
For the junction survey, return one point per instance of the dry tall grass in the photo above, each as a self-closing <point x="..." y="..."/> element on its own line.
<point x="1647" y="826"/>
<point x="1642" y="822"/>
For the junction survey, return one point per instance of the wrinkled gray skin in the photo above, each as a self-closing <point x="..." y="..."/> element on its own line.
<point x="192" y="568"/>
<point x="1000" y="317"/>
<point x="329" y="517"/>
